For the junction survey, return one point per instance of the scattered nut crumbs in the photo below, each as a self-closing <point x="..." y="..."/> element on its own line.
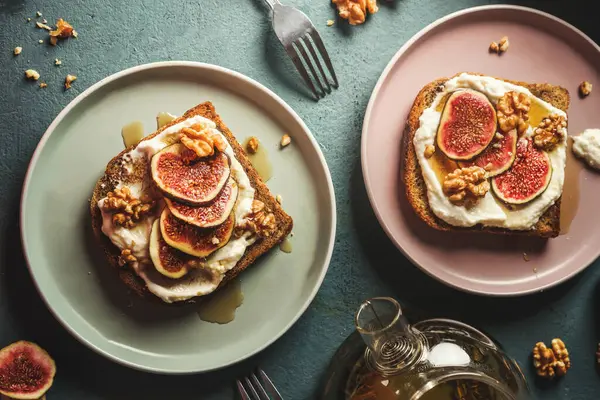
<point x="553" y="361"/>
<point x="40" y="41"/>
<point x="525" y="257"/>
<point x="278" y="198"/>
<point x="501" y="46"/>
<point x="45" y="21"/>
<point x="494" y="47"/>
<point x="38" y="14"/>
<point x="57" y="61"/>
<point x="285" y="140"/>
<point x="43" y="85"/>
<point x="252" y="145"/>
<point x="17" y="51"/>
<point x="28" y="19"/>
<point x="68" y="80"/>
<point x="585" y="88"/>
<point x="32" y="74"/>
<point x="429" y="151"/>
<point x="63" y="30"/>
<point x="42" y="26"/>
<point x="329" y="22"/>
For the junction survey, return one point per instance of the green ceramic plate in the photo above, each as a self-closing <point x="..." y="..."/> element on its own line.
<point x="85" y="294"/>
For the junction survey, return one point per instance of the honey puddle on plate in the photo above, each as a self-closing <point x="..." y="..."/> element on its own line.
<point x="132" y="133"/>
<point x="163" y="118"/>
<point x="570" y="197"/>
<point x="260" y="161"/>
<point x="286" y="245"/>
<point x="221" y="307"/>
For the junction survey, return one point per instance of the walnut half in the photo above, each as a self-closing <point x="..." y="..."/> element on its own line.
<point x="355" y="11"/>
<point x="261" y="221"/>
<point x="550" y="362"/>
<point x="202" y="140"/>
<point x="465" y="186"/>
<point x="513" y="112"/>
<point x="550" y="132"/>
<point x="127" y="210"/>
<point x="126" y="257"/>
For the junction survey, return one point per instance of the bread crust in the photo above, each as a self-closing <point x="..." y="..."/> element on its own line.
<point x="112" y="175"/>
<point x="548" y="225"/>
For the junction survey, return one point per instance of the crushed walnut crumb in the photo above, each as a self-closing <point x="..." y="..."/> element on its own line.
<point x="57" y="61"/>
<point x="513" y="112"/>
<point x="40" y="41"/>
<point x="17" y="51"/>
<point x="494" y="48"/>
<point x="127" y="210"/>
<point x="202" y="140"/>
<point x="585" y="88"/>
<point x="28" y="19"/>
<point x="261" y="221"/>
<point x="32" y="74"/>
<point x="215" y="240"/>
<point x="285" y="140"/>
<point x="550" y="132"/>
<point x="330" y="22"/>
<point x="69" y="80"/>
<point x="550" y="362"/>
<point x="465" y="186"/>
<point x="43" y="85"/>
<point x="252" y="145"/>
<point x="501" y="46"/>
<point x="63" y="30"/>
<point x="429" y="151"/>
<point x="126" y="257"/>
<point x="38" y="14"/>
<point x="355" y="11"/>
<point x="42" y="25"/>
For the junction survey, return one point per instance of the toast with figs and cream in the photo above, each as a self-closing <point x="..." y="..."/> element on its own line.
<point x="486" y="154"/>
<point x="183" y="212"/>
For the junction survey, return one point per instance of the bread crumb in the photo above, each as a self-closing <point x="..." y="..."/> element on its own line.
<point x="68" y="80"/>
<point x="42" y="26"/>
<point x="32" y="74"/>
<point x="278" y="198"/>
<point x="585" y="88"/>
<point x="285" y="140"/>
<point x="57" y="61"/>
<point x="17" y="51"/>
<point x="525" y="257"/>
<point x="38" y="14"/>
<point x="330" y="22"/>
<point x="43" y="85"/>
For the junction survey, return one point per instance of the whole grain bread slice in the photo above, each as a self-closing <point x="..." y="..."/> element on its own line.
<point x="416" y="190"/>
<point x="113" y="174"/>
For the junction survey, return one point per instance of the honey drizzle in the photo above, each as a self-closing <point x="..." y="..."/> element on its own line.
<point x="221" y="307"/>
<point x="570" y="195"/>
<point x="260" y="161"/>
<point x="286" y="246"/>
<point x="132" y="133"/>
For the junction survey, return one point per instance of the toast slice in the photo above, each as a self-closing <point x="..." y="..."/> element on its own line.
<point x="261" y="246"/>
<point x="548" y="225"/>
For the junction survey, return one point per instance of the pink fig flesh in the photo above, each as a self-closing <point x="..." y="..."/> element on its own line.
<point x="497" y="157"/>
<point x="26" y="371"/>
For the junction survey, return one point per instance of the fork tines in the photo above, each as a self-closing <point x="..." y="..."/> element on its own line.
<point x="251" y="388"/>
<point x="297" y="50"/>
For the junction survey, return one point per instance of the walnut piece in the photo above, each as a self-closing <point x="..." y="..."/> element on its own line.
<point x="503" y="44"/>
<point x="553" y="361"/>
<point x="513" y="112"/>
<point x="285" y="140"/>
<point x="126" y="258"/>
<point x="63" y="30"/>
<point x="550" y="132"/>
<point x="17" y="51"/>
<point x="494" y="48"/>
<point x="42" y="26"/>
<point x="127" y="210"/>
<point x="465" y="186"/>
<point x="261" y="221"/>
<point x="57" y="61"/>
<point x="252" y="145"/>
<point x="429" y="151"/>
<point x="585" y="88"/>
<point x="32" y="74"/>
<point x="69" y="79"/>
<point x="43" y="85"/>
<point x="355" y="11"/>
<point x="202" y="140"/>
<point x="330" y="22"/>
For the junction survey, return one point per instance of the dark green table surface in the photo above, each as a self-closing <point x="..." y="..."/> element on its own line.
<point x="236" y="34"/>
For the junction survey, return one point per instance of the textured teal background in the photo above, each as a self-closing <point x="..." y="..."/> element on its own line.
<point x="236" y="34"/>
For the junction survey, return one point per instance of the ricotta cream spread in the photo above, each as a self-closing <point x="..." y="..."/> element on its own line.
<point x="199" y="281"/>
<point x="488" y="210"/>
<point x="587" y="147"/>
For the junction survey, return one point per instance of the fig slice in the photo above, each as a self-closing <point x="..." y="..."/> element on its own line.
<point x="167" y="260"/>
<point x="192" y="240"/>
<point x="181" y="175"/>
<point x="210" y="215"/>
<point x="26" y="371"/>
<point x="497" y="157"/>
<point x="527" y="178"/>
<point x="467" y="125"/>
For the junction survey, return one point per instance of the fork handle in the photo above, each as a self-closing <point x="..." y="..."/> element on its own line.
<point x="272" y="3"/>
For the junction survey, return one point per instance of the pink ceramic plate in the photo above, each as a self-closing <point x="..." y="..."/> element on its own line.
<point x="542" y="48"/>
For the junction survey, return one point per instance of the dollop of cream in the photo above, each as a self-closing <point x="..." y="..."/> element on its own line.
<point x="586" y="146"/>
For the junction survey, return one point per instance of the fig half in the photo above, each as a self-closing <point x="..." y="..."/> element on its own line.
<point x="527" y="178"/>
<point x="497" y="157"/>
<point x="181" y="175"/>
<point x="467" y="125"/>
<point x="26" y="371"/>
<point x="210" y="215"/>
<point x="167" y="260"/>
<point x="197" y="242"/>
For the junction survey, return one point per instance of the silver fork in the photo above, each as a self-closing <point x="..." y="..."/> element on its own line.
<point x="297" y="35"/>
<point x="257" y="391"/>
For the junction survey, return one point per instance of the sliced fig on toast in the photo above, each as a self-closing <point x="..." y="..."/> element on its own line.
<point x="527" y="178"/>
<point x="181" y="175"/>
<point x="497" y="157"/>
<point x="26" y="371"/>
<point x="192" y="240"/>
<point x="167" y="260"/>
<point x="467" y="125"/>
<point x="211" y="214"/>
